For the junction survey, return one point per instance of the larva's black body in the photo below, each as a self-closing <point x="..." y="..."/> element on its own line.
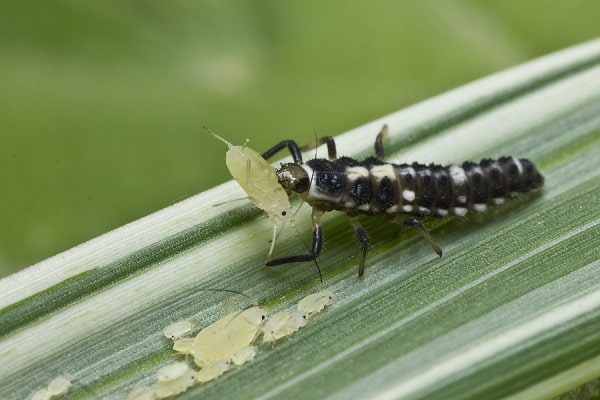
<point x="374" y="187"/>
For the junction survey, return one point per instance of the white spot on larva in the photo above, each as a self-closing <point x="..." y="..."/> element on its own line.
<point x="173" y="379"/>
<point x="391" y="210"/>
<point x="349" y="204"/>
<point x="460" y="211"/>
<point x="462" y="199"/>
<point x="381" y="171"/>
<point x="480" y="207"/>
<point x="441" y="212"/>
<point x="458" y="175"/>
<point x="423" y="211"/>
<point x="407" y="208"/>
<point x="408" y="173"/>
<point x="498" y="200"/>
<point x="364" y="207"/>
<point x="314" y="303"/>
<point x="518" y="164"/>
<point x="408" y="195"/>
<point x="353" y="173"/>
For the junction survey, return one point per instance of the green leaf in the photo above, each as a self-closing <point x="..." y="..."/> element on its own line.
<point x="511" y="309"/>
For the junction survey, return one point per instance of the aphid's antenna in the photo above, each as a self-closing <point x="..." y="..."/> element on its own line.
<point x="274" y="238"/>
<point x="230" y="201"/>
<point x="252" y="300"/>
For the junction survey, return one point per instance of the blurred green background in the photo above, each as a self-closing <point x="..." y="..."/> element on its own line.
<point x="102" y="103"/>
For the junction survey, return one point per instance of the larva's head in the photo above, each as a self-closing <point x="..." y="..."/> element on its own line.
<point x="293" y="178"/>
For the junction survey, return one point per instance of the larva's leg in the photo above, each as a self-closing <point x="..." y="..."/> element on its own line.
<point x="362" y="237"/>
<point x="292" y="147"/>
<point x="329" y="141"/>
<point x="413" y="222"/>
<point x="379" y="142"/>
<point x="313" y="253"/>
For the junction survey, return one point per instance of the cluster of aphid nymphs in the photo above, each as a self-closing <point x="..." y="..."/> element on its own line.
<point x="372" y="186"/>
<point x="57" y="387"/>
<point x="230" y="341"/>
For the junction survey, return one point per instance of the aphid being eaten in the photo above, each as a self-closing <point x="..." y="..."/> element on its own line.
<point x="257" y="178"/>
<point x="374" y="187"/>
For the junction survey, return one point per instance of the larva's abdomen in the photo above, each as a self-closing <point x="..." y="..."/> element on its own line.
<point x="454" y="190"/>
<point x="377" y="188"/>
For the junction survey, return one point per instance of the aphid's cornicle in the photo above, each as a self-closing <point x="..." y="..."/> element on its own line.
<point x="374" y="187"/>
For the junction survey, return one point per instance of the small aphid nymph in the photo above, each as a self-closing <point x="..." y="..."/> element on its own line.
<point x="178" y="329"/>
<point x="57" y="387"/>
<point x="244" y="355"/>
<point x="399" y="192"/>
<point x="314" y="303"/>
<point x="142" y="393"/>
<point x="213" y="370"/>
<point x="174" y="378"/>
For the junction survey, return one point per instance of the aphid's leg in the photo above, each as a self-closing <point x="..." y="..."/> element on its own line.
<point x="273" y="240"/>
<point x="292" y="147"/>
<point x="315" y="250"/>
<point x="248" y="166"/>
<point x="329" y="141"/>
<point x="413" y="222"/>
<point x="362" y="237"/>
<point x="379" y="142"/>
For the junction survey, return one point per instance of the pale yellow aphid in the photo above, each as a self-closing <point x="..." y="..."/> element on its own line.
<point x="296" y="321"/>
<point x="57" y="387"/>
<point x="258" y="179"/>
<point x="40" y="394"/>
<point x="174" y="378"/>
<point x="276" y="327"/>
<point x="142" y="393"/>
<point x="213" y="370"/>
<point x="60" y="385"/>
<point x="314" y="303"/>
<point x="227" y="336"/>
<point x="183" y="345"/>
<point x="244" y="355"/>
<point x="178" y="329"/>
